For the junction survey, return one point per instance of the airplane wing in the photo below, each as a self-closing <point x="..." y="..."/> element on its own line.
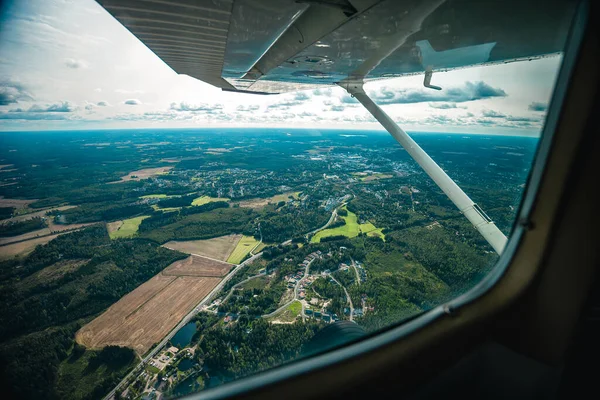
<point x="275" y="46"/>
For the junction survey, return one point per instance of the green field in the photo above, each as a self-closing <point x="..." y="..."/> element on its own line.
<point x="295" y="307"/>
<point x="154" y="196"/>
<point x="206" y="199"/>
<point x="350" y="230"/>
<point x="244" y="246"/>
<point x="129" y="228"/>
<point x="289" y="314"/>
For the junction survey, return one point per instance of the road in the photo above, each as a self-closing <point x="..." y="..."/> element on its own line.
<point x="238" y="284"/>
<point x="283" y="307"/>
<point x="355" y="271"/>
<point x="347" y="297"/>
<point x="181" y="324"/>
<point x="204" y="301"/>
<point x="331" y="219"/>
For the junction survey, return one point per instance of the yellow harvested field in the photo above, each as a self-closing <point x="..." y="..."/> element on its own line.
<point x="16" y="203"/>
<point x="143" y="174"/>
<point x="198" y="266"/>
<point x="25" y="236"/>
<point x="146" y="315"/>
<point x="218" y="248"/>
<point x="244" y="246"/>
<point x="23" y="248"/>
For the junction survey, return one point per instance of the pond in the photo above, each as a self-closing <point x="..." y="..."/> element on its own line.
<point x="185" y="364"/>
<point x="183" y="337"/>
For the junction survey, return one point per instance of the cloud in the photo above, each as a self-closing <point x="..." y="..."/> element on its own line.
<point x="182" y="106"/>
<point x="11" y="92"/>
<point x="492" y="114"/>
<point x="102" y="104"/>
<point x="132" y="102"/>
<point x="75" y="64"/>
<point x="537" y="106"/>
<point x="284" y="105"/>
<point x="336" y="108"/>
<point x="322" y="92"/>
<point x="89" y="107"/>
<point x="33" y="116"/>
<point x="443" y="106"/>
<point x="469" y="91"/>
<point x="64" y="107"/>
<point x="302" y="96"/>
<point x="248" y="108"/>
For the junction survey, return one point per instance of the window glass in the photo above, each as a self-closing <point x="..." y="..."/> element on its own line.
<point x="159" y="236"/>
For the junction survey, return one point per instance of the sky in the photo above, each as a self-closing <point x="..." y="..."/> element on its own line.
<point x="68" y="64"/>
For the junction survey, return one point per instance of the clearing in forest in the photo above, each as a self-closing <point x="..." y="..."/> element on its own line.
<point x="350" y="230"/>
<point x="207" y="199"/>
<point x="218" y="248"/>
<point x="244" y="246"/>
<point x="261" y="202"/>
<point x="127" y="228"/>
<point x="143" y="174"/>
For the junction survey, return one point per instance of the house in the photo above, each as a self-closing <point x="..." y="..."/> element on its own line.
<point x="308" y="311"/>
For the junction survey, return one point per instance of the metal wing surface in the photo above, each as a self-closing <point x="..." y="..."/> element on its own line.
<point x="275" y="46"/>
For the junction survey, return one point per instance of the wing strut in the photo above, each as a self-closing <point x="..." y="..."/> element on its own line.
<point x="471" y="210"/>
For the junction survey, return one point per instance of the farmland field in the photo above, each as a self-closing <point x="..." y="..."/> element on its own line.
<point x="22" y="248"/>
<point x="128" y="228"/>
<point x="244" y="246"/>
<point x="206" y="199"/>
<point x="197" y="266"/>
<point x="218" y="248"/>
<point x="146" y="315"/>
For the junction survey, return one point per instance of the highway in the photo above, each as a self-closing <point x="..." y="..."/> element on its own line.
<point x="181" y="324"/>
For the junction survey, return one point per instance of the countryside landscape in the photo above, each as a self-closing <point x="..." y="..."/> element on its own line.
<point x="156" y="263"/>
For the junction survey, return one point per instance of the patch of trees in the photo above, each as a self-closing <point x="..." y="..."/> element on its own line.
<point x="6" y="212"/>
<point x="113" y="356"/>
<point x="333" y="238"/>
<point x="21" y="227"/>
<point x="94" y="212"/>
<point x="205" y="225"/>
<point x="291" y="222"/>
<point x="270" y="252"/>
<point x="258" y="346"/>
<point x="182" y="201"/>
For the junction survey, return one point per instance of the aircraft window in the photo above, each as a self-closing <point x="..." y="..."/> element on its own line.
<point x="160" y="236"/>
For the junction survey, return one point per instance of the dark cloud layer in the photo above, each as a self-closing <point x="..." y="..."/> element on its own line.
<point x="11" y="92"/>
<point x="537" y="106"/>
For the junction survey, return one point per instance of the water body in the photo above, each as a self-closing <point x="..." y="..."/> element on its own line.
<point x="183" y="337"/>
<point x="185" y="364"/>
